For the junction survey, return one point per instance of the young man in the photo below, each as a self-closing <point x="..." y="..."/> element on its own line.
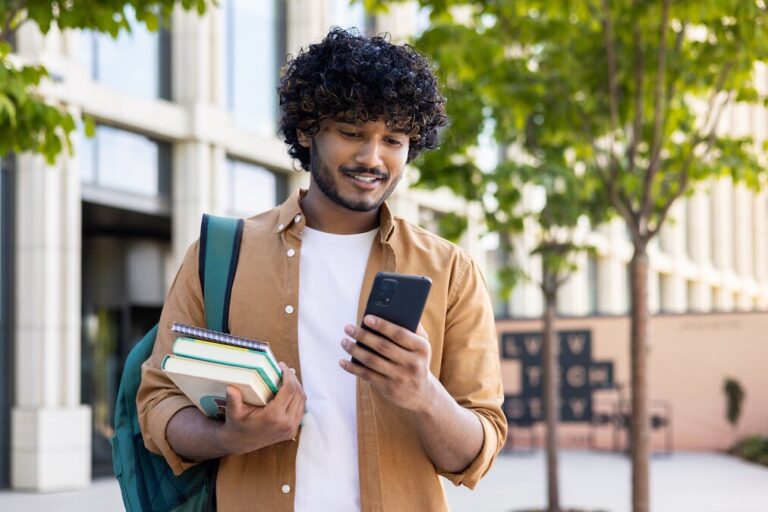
<point x="355" y="111"/>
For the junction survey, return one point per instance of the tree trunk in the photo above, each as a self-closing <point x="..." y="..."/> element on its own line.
<point x="550" y="367"/>
<point x="638" y="356"/>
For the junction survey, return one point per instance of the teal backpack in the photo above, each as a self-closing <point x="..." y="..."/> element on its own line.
<point x="146" y="481"/>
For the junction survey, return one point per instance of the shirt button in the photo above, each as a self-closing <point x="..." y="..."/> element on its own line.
<point x="281" y="227"/>
<point x="289" y="309"/>
<point x="285" y="488"/>
<point x="297" y="219"/>
<point x="291" y="253"/>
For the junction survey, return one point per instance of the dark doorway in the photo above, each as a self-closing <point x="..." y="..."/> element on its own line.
<point x="123" y="277"/>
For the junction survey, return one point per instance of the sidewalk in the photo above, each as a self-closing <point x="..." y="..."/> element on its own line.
<point x="700" y="482"/>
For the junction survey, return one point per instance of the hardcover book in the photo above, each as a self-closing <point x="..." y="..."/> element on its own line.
<point x="205" y="383"/>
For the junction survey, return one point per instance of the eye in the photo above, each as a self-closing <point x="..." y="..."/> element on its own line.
<point x="349" y="133"/>
<point x="394" y="142"/>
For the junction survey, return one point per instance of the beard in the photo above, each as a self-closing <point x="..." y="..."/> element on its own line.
<point x="328" y="183"/>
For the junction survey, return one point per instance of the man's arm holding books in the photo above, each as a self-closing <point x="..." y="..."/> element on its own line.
<point x="194" y="436"/>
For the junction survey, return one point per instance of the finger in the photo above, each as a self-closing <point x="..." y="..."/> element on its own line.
<point x="297" y="407"/>
<point x="367" y="358"/>
<point x="375" y="341"/>
<point x="421" y="331"/>
<point x="234" y="403"/>
<point x="361" y="371"/>
<point x="288" y="387"/>
<point x="400" y="335"/>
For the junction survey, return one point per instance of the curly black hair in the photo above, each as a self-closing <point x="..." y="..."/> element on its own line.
<point x="355" y="79"/>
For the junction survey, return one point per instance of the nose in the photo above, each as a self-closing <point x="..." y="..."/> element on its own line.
<point x="369" y="154"/>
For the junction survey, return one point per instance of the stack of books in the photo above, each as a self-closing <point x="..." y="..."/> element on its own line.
<point x="205" y="362"/>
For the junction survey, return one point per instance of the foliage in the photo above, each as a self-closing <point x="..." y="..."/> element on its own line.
<point x="27" y="122"/>
<point x="734" y="397"/>
<point x="632" y="91"/>
<point x="753" y="449"/>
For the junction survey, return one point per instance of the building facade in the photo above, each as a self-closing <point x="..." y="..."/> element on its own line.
<point x="186" y="123"/>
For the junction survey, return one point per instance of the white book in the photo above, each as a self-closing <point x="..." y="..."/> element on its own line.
<point x="205" y="383"/>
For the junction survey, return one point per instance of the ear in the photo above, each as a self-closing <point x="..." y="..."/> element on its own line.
<point x="303" y="139"/>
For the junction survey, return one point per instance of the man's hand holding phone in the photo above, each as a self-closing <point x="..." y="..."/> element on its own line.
<point x="399" y="367"/>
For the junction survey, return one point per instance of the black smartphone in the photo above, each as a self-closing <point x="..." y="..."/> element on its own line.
<point x="398" y="298"/>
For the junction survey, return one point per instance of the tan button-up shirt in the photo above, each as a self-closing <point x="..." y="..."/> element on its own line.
<point x="395" y="472"/>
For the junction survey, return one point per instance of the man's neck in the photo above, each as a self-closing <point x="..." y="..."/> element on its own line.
<point x="323" y="214"/>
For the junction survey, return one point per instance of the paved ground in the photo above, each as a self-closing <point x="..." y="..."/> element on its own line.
<point x="696" y="482"/>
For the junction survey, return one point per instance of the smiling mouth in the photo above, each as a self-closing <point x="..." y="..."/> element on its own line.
<point x="364" y="179"/>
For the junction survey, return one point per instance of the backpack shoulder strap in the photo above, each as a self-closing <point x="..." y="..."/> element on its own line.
<point x="220" y="239"/>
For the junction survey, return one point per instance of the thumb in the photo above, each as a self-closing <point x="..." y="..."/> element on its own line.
<point x="234" y="402"/>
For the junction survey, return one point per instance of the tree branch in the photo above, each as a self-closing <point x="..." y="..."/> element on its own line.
<point x="613" y="88"/>
<point x="13" y="11"/>
<point x="659" y="107"/>
<point x="637" y="126"/>
<point x="684" y="174"/>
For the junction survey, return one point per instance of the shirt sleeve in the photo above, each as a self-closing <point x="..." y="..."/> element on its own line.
<point x="470" y="369"/>
<point x="158" y="398"/>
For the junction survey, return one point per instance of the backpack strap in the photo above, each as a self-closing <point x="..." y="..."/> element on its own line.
<point x="220" y="239"/>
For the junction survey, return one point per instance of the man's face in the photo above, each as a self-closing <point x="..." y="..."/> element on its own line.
<point x="357" y="166"/>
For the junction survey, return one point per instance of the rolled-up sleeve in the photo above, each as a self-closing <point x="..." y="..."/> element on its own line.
<point x="470" y="368"/>
<point x="158" y="398"/>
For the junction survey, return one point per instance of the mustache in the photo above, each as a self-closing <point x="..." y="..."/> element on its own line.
<point x="374" y="171"/>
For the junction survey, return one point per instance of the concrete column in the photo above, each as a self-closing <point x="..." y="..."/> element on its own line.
<point x="306" y="22"/>
<point x="51" y="430"/>
<point x="700" y="297"/>
<point x="724" y="300"/>
<point x="198" y="180"/>
<point x="673" y="294"/>
<point x="400" y="20"/>
<point x="743" y="231"/>
<point x="193" y="193"/>
<point x="698" y="227"/>
<point x="760" y="214"/>
<point x="573" y="298"/>
<point x="193" y="58"/>
<point x="612" y="286"/>
<point x="722" y="230"/>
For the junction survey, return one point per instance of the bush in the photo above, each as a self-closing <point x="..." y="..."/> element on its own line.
<point x="753" y="449"/>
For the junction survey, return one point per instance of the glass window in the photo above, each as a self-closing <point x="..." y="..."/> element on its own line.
<point x="137" y="62"/>
<point x="253" y="188"/>
<point x="126" y="161"/>
<point x="255" y="52"/>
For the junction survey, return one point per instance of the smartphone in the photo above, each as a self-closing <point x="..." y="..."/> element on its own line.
<point x="398" y="298"/>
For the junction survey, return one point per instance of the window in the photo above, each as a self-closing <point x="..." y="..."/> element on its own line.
<point x="253" y="189"/>
<point x="125" y="161"/>
<point x="137" y="62"/>
<point x="255" y="50"/>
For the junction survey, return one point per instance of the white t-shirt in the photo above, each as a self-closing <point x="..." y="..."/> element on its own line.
<point x="331" y="276"/>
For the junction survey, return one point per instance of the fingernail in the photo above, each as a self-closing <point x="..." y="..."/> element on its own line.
<point x="370" y="320"/>
<point x="349" y="330"/>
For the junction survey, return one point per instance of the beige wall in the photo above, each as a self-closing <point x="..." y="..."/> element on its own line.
<point x="690" y="357"/>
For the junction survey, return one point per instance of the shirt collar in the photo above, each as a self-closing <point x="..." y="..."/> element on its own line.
<point x="290" y="213"/>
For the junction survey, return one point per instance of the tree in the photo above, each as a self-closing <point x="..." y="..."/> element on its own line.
<point x="635" y="90"/>
<point x="29" y="123"/>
